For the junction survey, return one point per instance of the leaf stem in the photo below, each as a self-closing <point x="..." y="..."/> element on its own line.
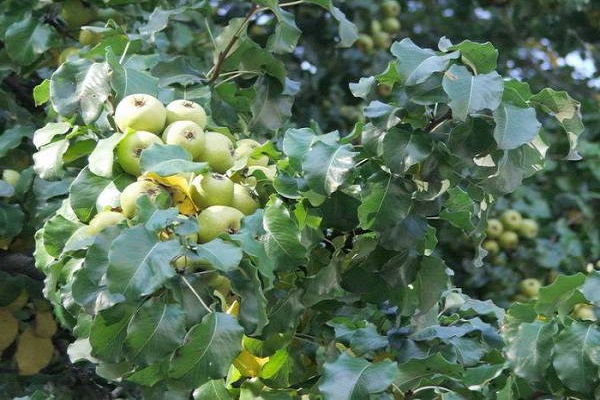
<point x="189" y="285"/>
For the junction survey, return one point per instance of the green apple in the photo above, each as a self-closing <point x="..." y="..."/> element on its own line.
<point x="211" y="190"/>
<point x="244" y="149"/>
<point x="136" y="190"/>
<point x="494" y="228"/>
<point x="391" y="25"/>
<point x="217" y="152"/>
<point x="186" y="134"/>
<point x="365" y="43"/>
<point x="140" y="112"/>
<point x="11" y="177"/>
<point x="584" y="312"/>
<point x="491" y="246"/>
<point x="390" y="8"/>
<point x="511" y="219"/>
<point x="508" y="240"/>
<point x="66" y="53"/>
<point x="103" y="220"/>
<point x="216" y="220"/>
<point x="529" y="228"/>
<point x="244" y="200"/>
<point x="382" y="40"/>
<point x="88" y="37"/>
<point x="375" y="26"/>
<point x="185" y="110"/>
<point x="187" y="263"/>
<point x="75" y="13"/>
<point x="530" y="287"/>
<point x="129" y="150"/>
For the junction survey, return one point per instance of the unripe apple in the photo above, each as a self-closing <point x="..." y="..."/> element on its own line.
<point x="88" y="37"/>
<point x="584" y="312"/>
<point x="391" y="25"/>
<point x="530" y="287"/>
<point x="103" y="220"/>
<point x="375" y="26"/>
<point x="64" y="55"/>
<point x="508" y="240"/>
<point x="491" y="246"/>
<point x="136" y="190"/>
<point x="216" y="220"/>
<point x="244" y="200"/>
<point x="529" y="228"/>
<point x="382" y="40"/>
<point x="390" y="8"/>
<point x="186" y="134"/>
<point x="11" y="177"/>
<point x="211" y="190"/>
<point x="185" y="110"/>
<point x="75" y="13"/>
<point x="494" y="228"/>
<point x="129" y="150"/>
<point x="217" y="152"/>
<point x="365" y="43"/>
<point x="187" y="263"/>
<point x="247" y="146"/>
<point x="511" y="219"/>
<point x="141" y="112"/>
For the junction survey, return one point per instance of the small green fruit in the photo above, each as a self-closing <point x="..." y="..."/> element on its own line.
<point x="244" y="200"/>
<point x="530" y="287"/>
<point x="511" y="219"/>
<point x="211" y="190"/>
<point x="185" y="110"/>
<point x="186" y="134"/>
<point x="129" y="150"/>
<point x="391" y="25"/>
<point x="217" y="152"/>
<point x="66" y="53"/>
<point x="529" y="228"/>
<point x="140" y="112"/>
<point x="584" y="312"/>
<point x="390" y="8"/>
<point x="375" y="26"/>
<point x="382" y="40"/>
<point x="216" y="220"/>
<point x="103" y="220"/>
<point x="494" y="228"/>
<point x="136" y="190"/>
<point x="365" y="43"/>
<point x="508" y="240"/>
<point x="88" y="37"/>
<point x="244" y="149"/>
<point x="491" y="246"/>
<point x="190" y="264"/>
<point x="11" y="177"/>
<point x="75" y="13"/>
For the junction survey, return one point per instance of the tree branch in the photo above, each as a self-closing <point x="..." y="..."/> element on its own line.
<point x="19" y="263"/>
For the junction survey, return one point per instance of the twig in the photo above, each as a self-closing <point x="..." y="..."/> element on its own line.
<point x="189" y="285"/>
<point x="434" y="123"/>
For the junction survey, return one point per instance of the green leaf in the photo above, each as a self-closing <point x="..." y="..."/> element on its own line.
<point x="212" y="390"/>
<point x="102" y="158"/>
<point x="553" y="297"/>
<point x="349" y="378"/>
<point x="167" y="160"/>
<point x="415" y="64"/>
<point x="431" y="281"/>
<point x="529" y="351"/>
<point x="576" y="357"/>
<point x="403" y="148"/>
<point x="11" y="138"/>
<point x="472" y="93"/>
<point x="514" y="126"/>
<point x="591" y="287"/>
<point x="413" y="371"/>
<point x="386" y="201"/>
<point x="11" y="220"/>
<point x="459" y="209"/>
<point x="480" y="57"/>
<point x="108" y="332"/>
<point x="48" y="161"/>
<point x="282" y="239"/>
<point x="363" y="87"/>
<point x="27" y="39"/>
<point x="270" y="108"/>
<point x="221" y="255"/>
<point x="286" y="32"/>
<point x="208" y="350"/>
<point x="41" y="93"/>
<point x="296" y="144"/>
<point x="140" y="263"/>
<point x="326" y="166"/>
<point x="155" y="330"/>
<point x="246" y="283"/>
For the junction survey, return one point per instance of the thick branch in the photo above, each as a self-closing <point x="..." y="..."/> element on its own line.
<point x="19" y="263"/>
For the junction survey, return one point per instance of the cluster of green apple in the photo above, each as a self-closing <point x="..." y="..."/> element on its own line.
<point x="381" y="33"/>
<point x="29" y="325"/>
<point x="218" y="198"/>
<point x="503" y="234"/>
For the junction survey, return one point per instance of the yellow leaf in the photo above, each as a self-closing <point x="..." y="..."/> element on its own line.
<point x="234" y="309"/>
<point x="179" y="187"/>
<point x="248" y="364"/>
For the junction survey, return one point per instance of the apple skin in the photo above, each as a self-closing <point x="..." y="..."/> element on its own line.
<point x="529" y="228"/>
<point x="185" y="110"/>
<point x="365" y="42"/>
<point x="211" y="190"/>
<point x="216" y="220"/>
<point x="140" y="112"/>
<point x="584" y="312"/>
<point x="382" y="40"/>
<point x="75" y="13"/>
<point x="243" y="150"/>
<point x="511" y="219"/>
<point x="130" y="149"/>
<point x="530" y="287"/>
<point x="11" y="177"/>
<point x="391" y="25"/>
<point x="243" y="199"/>
<point x="390" y="8"/>
<point x="103" y="220"/>
<point x="217" y="152"/>
<point x="134" y="191"/>
<point x="190" y="264"/>
<point x="508" y="240"/>
<point x="494" y="228"/>
<point x="491" y="246"/>
<point x="186" y="134"/>
<point x="88" y="37"/>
